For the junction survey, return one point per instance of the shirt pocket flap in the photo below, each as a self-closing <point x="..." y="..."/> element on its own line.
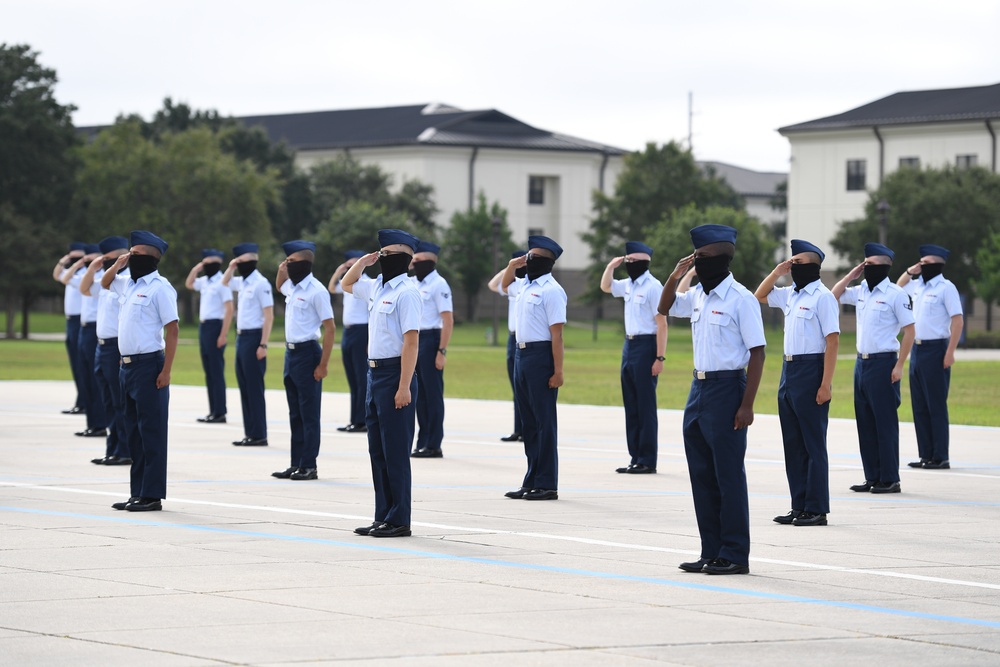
<point x="719" y="319"/>
<point x="804" y="313"/>
<point x="534" y="299"/>
<point x="385" y="307"/>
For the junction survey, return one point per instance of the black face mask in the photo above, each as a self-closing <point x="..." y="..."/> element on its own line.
<point x="520" y="272"/>
<point x="246" y="268"/>
<point x="423" y="268"/>
<point x="803" y="274"/>
<point x="637" y="268"/>
<point x="108" y="263"/>
<point x="930" y="271"/>
<point x="394" y="265"/>
<point x="142" y="265"/>
<point x="297" y="271"/>
<point x="70" y="262"/>
<point x="712" y="270"/>
<point x="538" y="266"/>
<point x="876" y="273"/>
<point x="211" y="268"/>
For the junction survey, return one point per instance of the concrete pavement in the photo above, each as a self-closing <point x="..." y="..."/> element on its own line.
<point x="241" y="568"/>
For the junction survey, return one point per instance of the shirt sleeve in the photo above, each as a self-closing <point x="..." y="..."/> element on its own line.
<point x="911" y="287"/>
<point x="952" y="301"/>
<point x="850" y="296"/>
<point x="555" y="306"/>
<point x="75" y="280"/>
<point x="286" y="287"/>
<point x="236" y="283"/>
<point x="778" y="297"/>
<point x="361" y="290"/>
<point x="118" y="284"/>
<point x="618" y="288"/>
<point x="902" y="306"/>
<point x="337" y="289"/>
<point x="751" y="322"/>
<point x="409" y="305"/>
<point x="682" y="304"/>
<point x="442" y="297"/>
<point x="514" y="288"/>
<point x="653" y="297"/>
<point x="199" y="283"/>
<point x="264" y="294"/>
<point x="321" y="302"/>
<point x="828" y="311"/>
<point x="166" y="303"/>
<point x="225" y="293"/>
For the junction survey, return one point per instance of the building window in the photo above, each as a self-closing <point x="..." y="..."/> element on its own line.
<point x="536" y="190"/>
<point x="909" y="163"/>
<point x="536" y="231"/>
<point x="855" y="174"/>
<point x="966" y="161"/>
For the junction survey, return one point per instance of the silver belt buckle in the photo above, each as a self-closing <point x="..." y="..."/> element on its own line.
<point x="521" y="346"/>
<point x="290" y="346"/>
<point x="372" y="363"/>
<point x="864" y="355"/>
<point x="918" y="341"/>
<point x="126" y="360"/>
<point x="789" y="357"/>
<point x="701" y="375"/>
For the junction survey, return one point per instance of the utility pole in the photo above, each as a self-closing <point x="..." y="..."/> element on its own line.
<point x="690" y="119"/>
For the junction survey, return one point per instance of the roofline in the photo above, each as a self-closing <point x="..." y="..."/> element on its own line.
<point x="812" y="126"/>
<point x="608" y="150"/>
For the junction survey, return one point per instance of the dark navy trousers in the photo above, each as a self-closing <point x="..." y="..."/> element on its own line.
<point x="511" y="350"/>
<point x="213" y="360"/>
<point x="107" y="373"/>
<point x="533" y="366"/>
<point x="354" y="353"/>
<point x="929" y="384"/>
<point x="86" y="358"/>
<point x="803" y="433"/>
<point x="639" y="399"/>
<point x="305" y="397"/>
<point x="876" y="399"/>
<point x="430" y="383"/>
<point x="250" y="377"/>
<point x="145" y="417"/>
<point x="715" y="453"/>
<point x="72" y="346"/>
<point x="390" y="435"/>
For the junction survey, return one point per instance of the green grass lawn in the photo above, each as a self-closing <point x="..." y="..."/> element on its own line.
<point x="478" y="370"/>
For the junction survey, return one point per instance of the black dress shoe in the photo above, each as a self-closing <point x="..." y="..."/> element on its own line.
<point x="937" y="465"/>
<point x="144" y="505"/>
<point x="117" y="461"/>
<point x="389" y="530"/>
<point x="639" y="469"/>
<point x="365" y="530"/>
<point x="74" y="411"/>
<point x="93" y="433"/>
<point x="786" y="519"/>
<point x="513" y="437"/>
<point x="213" y="419"/>
<point x="623" y="468"/>
<point x="101" y="461"/>
<point x="517" y="494"/>
<point x="541" y="494"/>
<point x="353" y="428"/>
<point x="121" y="506"/>
<point x="918" y="464"/>
<point x="284" y="474"/>
<point x="251" y="442"/>
<point x="695" y="565"/>
<point x="427" y="454"/>
<point x="723" y="566"/>
<point x="886" y="487"/>
<point x="304" y="473"/>
<point x="810" y="519"/>
<point x="863" y="488"/>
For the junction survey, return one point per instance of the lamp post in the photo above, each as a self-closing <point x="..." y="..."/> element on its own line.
<point x="496" y="222"/>
<point x="883" y="221"/>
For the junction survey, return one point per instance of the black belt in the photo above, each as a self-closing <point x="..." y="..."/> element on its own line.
<point x="243" y="331"/>
<point x="350" y="326"/>
<point x="877" y="355"/>
<point x="385" y="363"/>
<point x="130" y="358"/>
<point x="429" y="331"/>
<point x="72" y="317"/>
<point x="537" y="343"/>
<point x="930" y="341"/>
<point x="84" y="325"/>
<point x="212" y="319"/>
<point x="292" y="346"/>
<point x="718" y="375"/>
<point x="107" y="341"/>
<point x="639" y="336"/>
<point x="804" y="357"/>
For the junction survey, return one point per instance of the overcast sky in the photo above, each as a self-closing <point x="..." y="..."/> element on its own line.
<point x="618" y="72"/>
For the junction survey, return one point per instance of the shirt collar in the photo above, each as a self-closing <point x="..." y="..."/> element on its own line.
<point x="541" y="280"/>
<point x="149" y="277"/>
<point x="641" y="279"/>
<point x="811" y="287"/>
<point x="305" y="283"/>
<point x="933" y="281"/>
<point x="722" y="289"/>
<point x="882" y="286"/>
<point x="395" y="282"/>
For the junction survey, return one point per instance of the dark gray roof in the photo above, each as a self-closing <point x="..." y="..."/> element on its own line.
<point x="426" y="124"/>
<point x="746" y="182"/>
<point x="950" y="105"/>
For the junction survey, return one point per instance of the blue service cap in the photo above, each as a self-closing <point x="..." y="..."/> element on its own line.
<point x="244" y="248"/>
<point x="798" y="245"/>
<point x="212" y="252"/>
<point x="354" y="254"/>
<point x="931" y="249"/>
<point x="704" y="235"/>
<point x="91" y="249"/>
<point x="636" y="246"/>
<point x="297" y="246"/>
<point x="388" y="237"/>
<point x="546" y="243"/>
<point x="427" y="246"/>
<point x="148" y="238"/>
<point x="113" y="243"/>
<point x="518" y="253"/>
<point x="878" y="249"/>
<point x="77" y="245"/>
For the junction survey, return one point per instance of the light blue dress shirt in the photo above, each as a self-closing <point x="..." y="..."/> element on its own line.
<point x="881" y="314"/>
<point x="641" y="300"/>
<point x="255" y="296"/>
<point x="811" y="314"/>
<point x="934" y="304"/>
<point x="147" y="305"/>
<point x="393" y="309"/>
<point x="307" y="306"/>
<point x="214" y="296"/>
<point x="71" y="296"/>
<point x="108" y="306"/>
<point x="540" y="304"/>
<point x="355" y="309"/>
<point x="436" y="295"/>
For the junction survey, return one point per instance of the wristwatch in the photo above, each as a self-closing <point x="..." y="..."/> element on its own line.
<point x="263" y="345"/>
<point x="443" y="351"/>
<point x="661" y="358"/>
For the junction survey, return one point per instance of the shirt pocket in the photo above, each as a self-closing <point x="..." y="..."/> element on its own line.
<point x="137" y="308"/>
<point x="533" y="300"/>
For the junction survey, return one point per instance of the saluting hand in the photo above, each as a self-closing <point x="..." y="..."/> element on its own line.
<point x="616" y="262"/>
<point x="915" y="269"/>
<point x="856" y="272"/>
<point x="783" y="268"/>
<point x="682" y="267"/>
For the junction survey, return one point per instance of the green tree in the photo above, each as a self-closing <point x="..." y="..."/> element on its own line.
<point x="654" y="184"/>
<point x="37" y="166"/>
<point x="353" y="225"/>
<point x="956" y="208"/>
<point x="755" y="246"/>
<point x="987" y="286"/>
<point x="469" y="258"/>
